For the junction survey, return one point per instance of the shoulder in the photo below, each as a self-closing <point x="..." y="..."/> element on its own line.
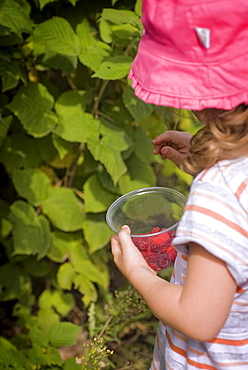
<point x="227" y="179"/>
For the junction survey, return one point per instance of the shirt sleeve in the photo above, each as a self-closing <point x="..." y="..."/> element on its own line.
<point x="214" y="219"/>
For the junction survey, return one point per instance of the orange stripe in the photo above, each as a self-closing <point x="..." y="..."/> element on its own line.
<point x="229" y="342"/>
<point x="240" y="290"/>
<point x="241" y="188"/>
<point x="183" y="353"/>
<point x="184" y="257"/>
<point x="218" y="217"/>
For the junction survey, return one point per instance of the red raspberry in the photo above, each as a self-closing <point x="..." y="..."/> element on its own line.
<point x="155" y="230"/>
<point x="152" y="262"/>
<point x="161" y="238"/>
<point x="155" y="248"/>
<point x="162" y="261"/>
<point x="141" y="243"/>
<point x="172" y="253"/>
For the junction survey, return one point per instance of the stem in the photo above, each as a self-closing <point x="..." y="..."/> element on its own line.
<point x="104" y="327"/>
<point x="98" y="98"/>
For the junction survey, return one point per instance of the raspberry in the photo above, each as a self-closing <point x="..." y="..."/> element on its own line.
<point x="152" y="262"/>
<point x="161" y="238"/>
<point x="155" y="248"/>
<point x="172" y="253"/>
<point x="155" y="230"/>
<point x="162" y="261"/>
<point x="141" y="243"/>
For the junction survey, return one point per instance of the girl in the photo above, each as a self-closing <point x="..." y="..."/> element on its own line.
<point x="203" y="311"/>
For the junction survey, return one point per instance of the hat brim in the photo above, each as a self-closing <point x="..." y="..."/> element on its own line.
<point x="162" y="81"/>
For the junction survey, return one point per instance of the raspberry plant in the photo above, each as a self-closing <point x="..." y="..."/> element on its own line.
<point x="73" y="138"/>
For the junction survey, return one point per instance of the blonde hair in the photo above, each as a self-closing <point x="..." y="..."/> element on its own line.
<point x="224" y="136"/>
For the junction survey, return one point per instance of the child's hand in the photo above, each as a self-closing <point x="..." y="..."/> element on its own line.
<point x="173" y="145"/>
<point x="127" y="257"/>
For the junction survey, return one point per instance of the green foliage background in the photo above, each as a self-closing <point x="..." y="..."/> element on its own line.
<point x="73" y="138"/>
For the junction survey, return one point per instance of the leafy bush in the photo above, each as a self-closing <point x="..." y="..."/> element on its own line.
<point x="73" y="138"/>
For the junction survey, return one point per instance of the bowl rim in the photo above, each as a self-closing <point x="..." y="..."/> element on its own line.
<point x="147" y="190"/>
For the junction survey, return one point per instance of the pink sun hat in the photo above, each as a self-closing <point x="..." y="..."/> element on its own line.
<point x="193" y="54"/>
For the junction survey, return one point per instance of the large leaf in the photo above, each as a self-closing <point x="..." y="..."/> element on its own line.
<point x="19" y="151"/>
<point x="63" y="334"/>
<point x="32" y="185"/>
<point x="137" y="108"/>
<point x="66" y="63"/>
<point x="93" y="52"/>
<point x="139" y="175"/>
<point x="114" y="68"/>
<point x="33" y="106"/>
<point x="121" y="16"/>
<point x="97" y="234"/>
<point x="57" y="35"/>
<point x="65" y="276"/>
<point x="62" y="243"/>
<point x="63" y="209"/>
<point x="15" y="17"/>
<point x="106" y="146"/>
<point x="87" y="288"/>
<point x="10" y="74"/>
<point x="97" y="199"/>
<point x="31" y="232"/>
<point x="13" y="283"/>
<point x="143" y="147"/>
<point x="75" y="125"/>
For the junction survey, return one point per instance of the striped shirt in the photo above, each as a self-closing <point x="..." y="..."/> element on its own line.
<point x="215" y="217"/>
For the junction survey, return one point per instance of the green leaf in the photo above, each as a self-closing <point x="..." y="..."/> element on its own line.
<point x="5" y="227"/>
<point x="63" y="147"/>
<point x="75" y="125"/>
<point x="38" y="337"/>
<point x="62" y="302"/>
<point x="62" y="207"/>
<point x="62" y="243"/>
<point x="121" y="16"/>
<point x="66" y="63"/>
<point x="63" y="334"/>
<point x="106" y="146"/>
<point x="57" y="35"/>
<point x="139" y="175"/>
<point x="44" y="2"/>
<point x="14" y="16"/>
<point x="37" y="356"/>
<point x="136" y="107"/>
<point x="97" y="199"/>
<point x="105" y="31"/>
<point x="11" y="73"/>
<point x="36" y="268"/>
<point x="19" y="151"/>
<point x="31" y="184"/>
<point x="85" y="287"/>
<point x="33" y="106"/>
<point x="93" y="52"/>
<point x="4" y="127"/>
<point x="53" y="357"/>
<point x="114" y="68"/>
<point x="96" y="239"/>
<point x="46" y="318"/>
<point x="31" y="232"/>
<point x="13" y="283"/>
<point x="65" y="276"/>
<point x="143" y="147"/>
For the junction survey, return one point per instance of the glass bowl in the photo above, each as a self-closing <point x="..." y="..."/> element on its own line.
<point x="152" y="215"/>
